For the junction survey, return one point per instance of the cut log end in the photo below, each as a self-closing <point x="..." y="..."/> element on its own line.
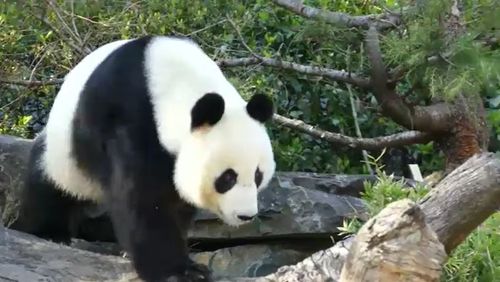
<point x="395" y="245"/>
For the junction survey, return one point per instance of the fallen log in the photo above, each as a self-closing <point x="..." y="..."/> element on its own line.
<point x="463" y="200"/>
<point x="23" y="255"/>
<point x="299" y="205"/>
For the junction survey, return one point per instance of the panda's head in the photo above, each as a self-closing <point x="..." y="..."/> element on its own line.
<point x="227" y="158"/>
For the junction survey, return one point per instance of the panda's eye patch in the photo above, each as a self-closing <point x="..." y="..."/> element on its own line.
<point x="258" y="177"/>
<point x="226" y="181"/>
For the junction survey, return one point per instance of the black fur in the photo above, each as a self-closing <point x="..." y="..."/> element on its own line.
<point x="258" y="177"/>
<point x="115" y="141"/>
<point x="260" y="108"/>
<point x="207" y="110"/>
<point x="226" y="181"/>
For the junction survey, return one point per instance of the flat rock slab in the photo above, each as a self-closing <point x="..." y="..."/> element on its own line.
<point x="249" y="260"/>
<point x="294" y="204"/>
<point x="253" y="260"/>
<point x="286" y="209"/>
<point x="13" y="155"/>
<point x="24" y="257"/>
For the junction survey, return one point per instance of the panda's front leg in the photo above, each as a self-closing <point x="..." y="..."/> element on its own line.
<point x="154" y="242"/>
<point x="146" y="219"/>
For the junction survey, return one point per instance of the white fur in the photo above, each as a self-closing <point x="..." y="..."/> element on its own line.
<point x="57" y="162"/>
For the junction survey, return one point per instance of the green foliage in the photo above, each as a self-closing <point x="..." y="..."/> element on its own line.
<point x="380" y="193"/>
<point x="14" y="125"/>
<point x="34" y="49"/>
<point x="448" y="67"/>
<point x="493" y="115"/>
<point x="267" y="29"/>
<point x="477" y="259"/>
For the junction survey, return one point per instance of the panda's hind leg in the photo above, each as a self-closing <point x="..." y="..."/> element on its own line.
<point x="44" y="210"/>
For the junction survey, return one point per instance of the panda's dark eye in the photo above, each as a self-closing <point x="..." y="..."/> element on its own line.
<point x="225" y="181"/>
<point x="258" y="177"/>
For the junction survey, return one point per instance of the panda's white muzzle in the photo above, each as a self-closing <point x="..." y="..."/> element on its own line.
<point x="239" y="205"/>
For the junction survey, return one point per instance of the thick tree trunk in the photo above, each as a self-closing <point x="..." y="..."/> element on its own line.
<point x="469" y="134"/>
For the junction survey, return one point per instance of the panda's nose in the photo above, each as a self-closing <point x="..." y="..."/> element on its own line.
<point x="246" y="217"/>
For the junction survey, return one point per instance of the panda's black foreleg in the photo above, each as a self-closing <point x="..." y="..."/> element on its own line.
<point x="146" y="218"/>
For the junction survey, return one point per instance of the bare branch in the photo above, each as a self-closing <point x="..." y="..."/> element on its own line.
<point x="378" y="71"/>
<point x="73" y="34"/>
<point x="73" y="40"/>
<point x="238" y="32"/>
<point x="238" y="62"/>
<point x="334" y="75"/>
<point x="381" y="21"/>
<point x="326" y="73"/>
<point x="358" y="129"/>
<point x="61" y="36"/>
<point x="395" y="140"/>
<point x="32" y="83"/>
<point x="433" y="118"/>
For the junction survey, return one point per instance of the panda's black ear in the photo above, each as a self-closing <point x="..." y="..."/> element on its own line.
<point x="208" y="110"/>
<point x="260" y="108"/>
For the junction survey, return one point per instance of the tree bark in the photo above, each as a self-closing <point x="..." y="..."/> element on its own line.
<point x="375" y="143"/>
<point x="385" y="20"/>
<point x="469" y="132"/>
<point x="463" y="199"/>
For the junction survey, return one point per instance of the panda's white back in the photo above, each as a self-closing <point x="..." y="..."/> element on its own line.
<point x="178" y="74"/>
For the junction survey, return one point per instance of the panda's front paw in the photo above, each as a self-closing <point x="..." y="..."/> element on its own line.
<point x="189" y="277"/>
<point x="194" y="273"/>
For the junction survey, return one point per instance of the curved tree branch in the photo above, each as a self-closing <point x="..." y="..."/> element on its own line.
<point x="331" y="74"/>
<point x="395" y="140"/>
<point x="31" y="83"/>
<point x="386" y="20"/>
<point x="434" y="118"/>
<point x="326" y="73"/>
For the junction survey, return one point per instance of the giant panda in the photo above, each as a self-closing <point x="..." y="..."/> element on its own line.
<point x="151" y="128"/>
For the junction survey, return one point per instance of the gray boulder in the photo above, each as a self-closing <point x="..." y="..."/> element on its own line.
<point x="295" y="204"/>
